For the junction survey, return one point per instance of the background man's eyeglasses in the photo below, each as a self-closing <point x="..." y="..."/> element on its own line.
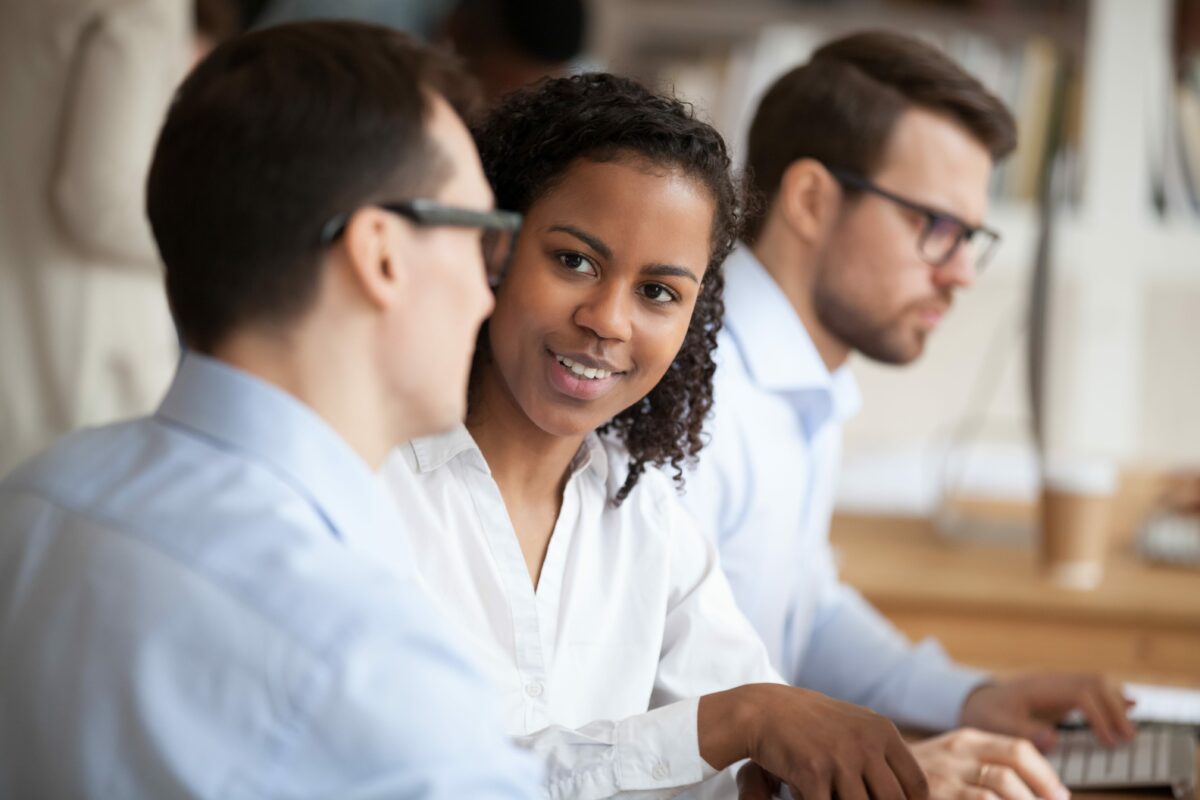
<point x="941" y="233"/>
<point x="499" y="228"/>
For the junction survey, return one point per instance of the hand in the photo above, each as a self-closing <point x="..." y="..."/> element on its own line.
<point x="967" y="764"/>
<point x="755" y="783"/>
<point x="814" y="744"/>
<point x="1029" y="706"/>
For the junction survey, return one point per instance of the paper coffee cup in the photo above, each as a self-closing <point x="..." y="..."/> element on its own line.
<point x="1074" y="520"/>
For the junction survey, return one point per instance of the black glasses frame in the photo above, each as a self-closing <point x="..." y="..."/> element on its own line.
<point x="430" y="213"/>
<point x="966" y="232"/>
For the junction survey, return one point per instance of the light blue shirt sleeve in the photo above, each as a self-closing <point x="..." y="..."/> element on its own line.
<point x="821" y="633"/>
<point x="853" y="652"/>
<point x="192" y="606"/>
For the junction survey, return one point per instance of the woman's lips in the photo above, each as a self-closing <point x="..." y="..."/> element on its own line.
<point x="579" y="387"/>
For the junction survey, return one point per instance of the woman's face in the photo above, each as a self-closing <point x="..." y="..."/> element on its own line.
<point x="600" y="292"/>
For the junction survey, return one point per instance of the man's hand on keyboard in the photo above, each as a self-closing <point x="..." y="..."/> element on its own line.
<point x="968" y="764"/>
<point x="1029" y="706"/>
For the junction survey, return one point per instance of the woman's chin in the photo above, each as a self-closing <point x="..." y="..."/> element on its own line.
<point x="566" y="422"/>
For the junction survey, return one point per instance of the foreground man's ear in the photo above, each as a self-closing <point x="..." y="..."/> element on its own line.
<point x="371" y="246"/>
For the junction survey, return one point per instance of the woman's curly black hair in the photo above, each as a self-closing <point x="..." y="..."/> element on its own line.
<point x="527" y="144"/>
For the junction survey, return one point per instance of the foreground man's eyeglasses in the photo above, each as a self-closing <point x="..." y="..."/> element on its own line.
<point x="499" y="228"/>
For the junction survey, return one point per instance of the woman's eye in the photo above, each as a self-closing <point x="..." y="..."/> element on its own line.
<point x="577" y="263"/>
<point x="658" y="293"/>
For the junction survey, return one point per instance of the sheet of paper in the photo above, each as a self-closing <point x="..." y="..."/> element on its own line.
<point x="1164" y="704"/>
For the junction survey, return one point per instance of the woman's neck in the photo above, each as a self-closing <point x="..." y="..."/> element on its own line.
<point x="528" y="464"/>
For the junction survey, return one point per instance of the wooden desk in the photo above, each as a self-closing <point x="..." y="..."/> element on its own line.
<point x="989" y="606"/>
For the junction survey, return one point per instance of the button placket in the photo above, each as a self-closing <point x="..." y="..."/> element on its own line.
<point x="528" y="654"/>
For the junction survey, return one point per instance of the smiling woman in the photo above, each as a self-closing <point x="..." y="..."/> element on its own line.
<point x="599" y="610"/>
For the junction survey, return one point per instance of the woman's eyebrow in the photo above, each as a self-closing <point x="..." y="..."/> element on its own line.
<point x="594" y="242"/>
<point x="665" y="270"/>
<point x="590" y="240"/>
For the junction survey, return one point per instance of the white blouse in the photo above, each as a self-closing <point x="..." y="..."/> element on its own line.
<point x="632" y="620"/>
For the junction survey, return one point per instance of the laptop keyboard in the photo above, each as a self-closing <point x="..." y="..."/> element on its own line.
<point x="1081" y="761"/>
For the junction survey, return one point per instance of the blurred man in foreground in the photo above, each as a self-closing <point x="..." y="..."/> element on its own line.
<point x="192" y="604"/>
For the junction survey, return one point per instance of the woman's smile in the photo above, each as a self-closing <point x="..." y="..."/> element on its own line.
<point x="581" y="378"/>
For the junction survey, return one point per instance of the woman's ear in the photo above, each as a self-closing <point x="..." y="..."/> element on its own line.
<point x="372" y="242"/>
<point x="809" y="199"/>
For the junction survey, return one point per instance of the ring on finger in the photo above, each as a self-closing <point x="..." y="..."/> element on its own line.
<point x="981" y="778"/>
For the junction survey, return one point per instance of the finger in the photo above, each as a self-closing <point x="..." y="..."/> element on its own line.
<point x="849" y="786"/>
<point x="1021" y="757"/>
<point x="1043" y="736"/>
<point x="809" y="782"/>
<point x="811" y="788"/>
<point x="1097" y="717"/>
<point x="1003" y="782"/>
<point x="1118" y="707"/>
<point x="755" y="783"/>
<point x="974" y="793"/>
<point x="881" y="782"/>
<point x="909" y="775"/>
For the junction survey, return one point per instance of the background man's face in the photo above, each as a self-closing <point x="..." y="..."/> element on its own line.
<point x="873" y="290"/>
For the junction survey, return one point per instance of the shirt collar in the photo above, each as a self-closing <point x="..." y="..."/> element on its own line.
<point x="245" y="414"/>
<point x="431" y="453"/>
<point x="772" y="341"/>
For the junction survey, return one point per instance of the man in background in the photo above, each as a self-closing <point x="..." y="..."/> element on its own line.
<point x="194" y="604"/>
<point x="873" y="162"/>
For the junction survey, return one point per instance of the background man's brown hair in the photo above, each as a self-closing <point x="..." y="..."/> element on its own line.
<point x="840" y="109"/>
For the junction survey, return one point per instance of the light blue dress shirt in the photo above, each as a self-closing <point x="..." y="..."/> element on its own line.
<point x="764" y="491"/>
<point x="190" y="606"/>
